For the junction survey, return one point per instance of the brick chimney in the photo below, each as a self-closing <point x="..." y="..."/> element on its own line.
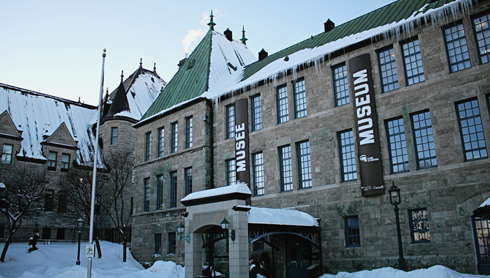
<point x="263" y="54"/>
<point x="182" y="62"/>
<point x="228" y="34"/>
<point x="329" y="25"/>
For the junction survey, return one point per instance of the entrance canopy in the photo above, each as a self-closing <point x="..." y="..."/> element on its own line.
<point x="282" y="217"/>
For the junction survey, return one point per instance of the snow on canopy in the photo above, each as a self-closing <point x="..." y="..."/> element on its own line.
<point x="38" y="115"/>
<point x="283" y="217"/>
<point x="486" y="203"/>
<point x="224" y="190"/>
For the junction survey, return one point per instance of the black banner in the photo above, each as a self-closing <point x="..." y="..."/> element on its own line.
<point x="366" y="124"/>
<point x="241" y="142"/>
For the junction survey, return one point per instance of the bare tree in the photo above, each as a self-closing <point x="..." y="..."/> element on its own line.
<point x="22" y="198"/>
<point x="118" y="190"/>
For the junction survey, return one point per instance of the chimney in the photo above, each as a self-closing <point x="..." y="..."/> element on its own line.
<point x="329" y="25"/>
<point x="182" y="62"/>
<point x="262" y="54"/>
<point x="228" y="34"/>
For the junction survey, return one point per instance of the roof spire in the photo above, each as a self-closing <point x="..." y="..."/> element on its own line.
<point x="122" y="76"/>
<point x="155" y="67"/>
<point x="211" y="23"/>
<point x="243" y="39"/>
<point x="141" y="62"/>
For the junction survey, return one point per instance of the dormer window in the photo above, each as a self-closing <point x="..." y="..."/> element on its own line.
<point x="7" y="153"/>
<point x="52" y="161"/>
<point x="65" y="162"/>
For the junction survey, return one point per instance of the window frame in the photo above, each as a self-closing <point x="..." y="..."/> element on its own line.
<point x="402" y="44"/>
<point x="256" y="112"/>
<point x="286" y="168"/>
<point x="6" y="155"/>
<point x="304" y="182"/>
<point x="158" y="243"/>
<point x="350" y="156"/>
<point x="159" y="193"/>
<point x="446" y="42"/>
<point x="65" y="165"/>
<point x="146" y="194"/>
<point x="148" y="146"/>
<point x="340" y="81"/>
<point x="173" y="189"/>
<point x="62" y="201"/>
<point x="428" y="140"/>
<point x="393" y="67"/>
<point x="300" y="98"/>
<point x="189" y="132"/>
<point x="463" y="143"/>
<point x="412" y="227"/>
<point x="475" y="34"/>
<point x="174" y="137"/>
<point x="114" y="136"/>
<point x="172" y="243"/>
<point x="230" y="121"/>
<point x="349" y="236"/>
<point x="52" y="162"/>
<point x="230" y="171"/>
<point x="49" y="200"/>
<point x="161" y="141"/>
<point x="403" y="137"/>
<point x="188" y="172"/>
<point x="282" y="104"/>
<point x="258" y="173"/>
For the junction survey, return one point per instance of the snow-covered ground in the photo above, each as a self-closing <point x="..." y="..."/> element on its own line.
<point x="58" y="261"/>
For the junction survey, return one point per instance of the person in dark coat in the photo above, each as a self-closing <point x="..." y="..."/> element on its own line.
<point x="33" y="241"/>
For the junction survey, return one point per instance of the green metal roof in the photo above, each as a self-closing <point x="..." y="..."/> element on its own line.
<point x="390" y="13"/>
<point x="190" y="81"/>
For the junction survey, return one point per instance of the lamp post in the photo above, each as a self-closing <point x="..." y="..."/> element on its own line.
<point x="224" y="225"/>
<point x="80" y="223"/>
<point x="180" y="231"/>
<point x="395" y="200"/>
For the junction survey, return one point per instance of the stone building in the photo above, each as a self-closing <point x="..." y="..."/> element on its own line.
<point x="399" y="96"/>
<point x="55" y="134"/>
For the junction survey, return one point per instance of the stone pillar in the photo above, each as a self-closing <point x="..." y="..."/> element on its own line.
<point x="193" y="256"/>
<point x="239" y="248"/>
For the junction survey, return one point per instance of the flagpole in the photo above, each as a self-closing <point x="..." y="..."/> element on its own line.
<point x="94" y="179"/>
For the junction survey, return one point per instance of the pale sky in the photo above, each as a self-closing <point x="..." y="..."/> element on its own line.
<point x="55" y="46"/>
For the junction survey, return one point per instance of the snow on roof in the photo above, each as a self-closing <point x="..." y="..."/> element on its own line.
<point x="435" y="16"/>
<point x="141" y="94"/>
<point x="486" y="203"/>
<point x="285" y="217"/>
<point x="225" y="190"/>
<point x="38" y="114"/>
<point x="2" y="185"/>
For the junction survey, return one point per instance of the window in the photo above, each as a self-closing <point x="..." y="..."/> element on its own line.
<point x="419" y="225"/>
<point x="341" y="88"/>
<point x="471" y="129"/>
<point x="397" y="145"/>
<point x="256" y="113"/>
<point x="188" y="180"/>
<point x="173" y="189"/>
<point x="146" y="194"/>
<point x="481" y="232"/>
<point x="352" y="235"/>
<point x="7" y="153"/>
<point x="171" y="243"/>
<point x="158" y="243"/>
<point x="387" y="69"/>
<point x="425" y="148"/>
<point x="161" y="141"/>
<point x="258" y="246"/>
<point x="174" y="144"/>
<point x="188" y="132"/>
<point x="159" y="192"/>
<point x="299" y="98"/>
<point x="457" y="49"/>
<point x="113" y="136"/>
<point x="62" y="201"/>
<point x="52" y="161"/>
<point x="230" y="172"/>
<point x="65" y="162"/>
<point x="304" y="162"/>
<point x="282" y="104"/>
<point x="286" y="168"/>
<point x="46" y="233"/>
<point x="347" y="156"/>
<point x="148" y="146"/>
<point x="230" y="121"/>
<point x="412" y="59"/>
<point x="60" y="233"/>
<point x="48" y="200"/>
<point x="482" y="33"/>
<point x="258" y="173"/>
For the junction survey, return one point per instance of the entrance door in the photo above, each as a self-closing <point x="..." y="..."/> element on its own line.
<point x="481" y="229"/>
<point x="298" y="259"/>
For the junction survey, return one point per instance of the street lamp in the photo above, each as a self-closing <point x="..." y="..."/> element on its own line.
<point x="395" y="200"/>
<point x="181" y="230"/>
<point x="80" y="223"/>
<point x="224" y="225"/>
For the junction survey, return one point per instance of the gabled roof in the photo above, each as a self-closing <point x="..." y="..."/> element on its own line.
<point x="384" y="16"/>
<point x="215" y="64"/>
<point x="61" y="137"/>
<point x="119" y="102"/>
<point x="8" y="128"/>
